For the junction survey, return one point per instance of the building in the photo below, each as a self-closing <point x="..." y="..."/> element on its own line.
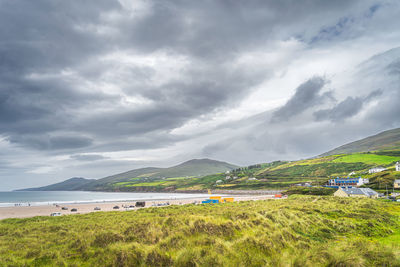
<point x="348" y="181"/>
<point x="396" y="183"/>
<point x="355" y="192"/>
<point x="376" y="169"/>
<point x="303" y="184"/>
<point x="252" y="179"/>
<point x="397" y="166"/>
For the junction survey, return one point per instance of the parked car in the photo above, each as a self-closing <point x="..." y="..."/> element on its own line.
<point x="97" y="208"/>
<point x="64" y="208"/>
<point x="73" y="210"/>
<point x="140" y="204"/>
<point x="55" y="214"/>
<point x="116" y="207"/>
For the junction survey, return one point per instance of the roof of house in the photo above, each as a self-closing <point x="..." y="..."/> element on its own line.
<point x="360" y="191"/>
<point x="397" y="181"/>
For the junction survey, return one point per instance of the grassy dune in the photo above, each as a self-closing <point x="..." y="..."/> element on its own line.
<point x="300" y="231"/>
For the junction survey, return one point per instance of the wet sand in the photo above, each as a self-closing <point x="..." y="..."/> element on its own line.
<point x="46" y="210"/>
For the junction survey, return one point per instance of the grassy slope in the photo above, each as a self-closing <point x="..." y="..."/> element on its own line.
<point x="300" y="231"/>
<point x="387" y="140"/>
<point x="316" y="171"/>
<point x="280" y="174"/>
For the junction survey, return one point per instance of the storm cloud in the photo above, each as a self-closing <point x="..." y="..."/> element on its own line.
<point x="347" y="108"/>
<point x="307" y="95"/>
<point x="122" y="84"/>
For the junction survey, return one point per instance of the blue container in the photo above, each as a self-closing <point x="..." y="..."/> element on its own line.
<point x="210" y="201"/>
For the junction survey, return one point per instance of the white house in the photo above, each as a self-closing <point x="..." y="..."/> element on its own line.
<point x="252" y="179"/>
<point x="376" y="169"/>
<point x="396" y="183"/>
<point x="397" y="166"/>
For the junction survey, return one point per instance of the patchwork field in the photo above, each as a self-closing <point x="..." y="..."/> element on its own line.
<point x="299" y="231"/>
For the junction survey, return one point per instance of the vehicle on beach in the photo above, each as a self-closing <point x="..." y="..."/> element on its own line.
<point x="55" y="214"/>
<point x="116" y="207"/>
<point x="97" y="208"/>
<point x="160" y="204"/>
<point x="140" y="204"/>
<point x="64" y="208"/>
<point x="73" y="210"/>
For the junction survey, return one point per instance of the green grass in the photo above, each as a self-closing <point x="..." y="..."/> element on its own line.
<point x="371" y="159"/>
<point x="277" y="175"/>
<point x="299" y="231"/>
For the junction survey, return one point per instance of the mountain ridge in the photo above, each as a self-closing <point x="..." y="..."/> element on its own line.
<point x="389" y="139"/>
<point x="72" y="183"/>
<point x="192" y="168"/>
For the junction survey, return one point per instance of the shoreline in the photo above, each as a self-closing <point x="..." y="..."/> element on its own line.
<point x="84" y="208"/>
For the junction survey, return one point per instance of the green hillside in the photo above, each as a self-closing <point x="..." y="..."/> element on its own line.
<point x="203" y="174"/>
<point x="281" y="175"/>
<point x="72" y="183"/>
<point x="299" y="231"/>
<point x="147" y="179"/>
<point x="388" y="140"/>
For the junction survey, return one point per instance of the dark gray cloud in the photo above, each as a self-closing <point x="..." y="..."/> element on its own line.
<point x="307" y="95"/>
<point x="108" y="76"/>
<point x="349" y="107"/>
<point x="315" y="130"/>
<point x="43" y="142"/>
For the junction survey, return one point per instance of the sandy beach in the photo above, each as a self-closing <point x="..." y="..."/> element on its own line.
<point x="82" y="208"/>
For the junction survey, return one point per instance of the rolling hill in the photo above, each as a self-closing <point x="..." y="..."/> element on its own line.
<point x="148" y="177"/>
<point x="72" y="184"/>
<point x="201" y="174"/>
<point x="388" y="140"/>
<point x="355" y="158"/>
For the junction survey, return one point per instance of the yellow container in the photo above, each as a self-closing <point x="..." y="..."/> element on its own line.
<point x="217" y="198"/>
<point x="228" y="199"/>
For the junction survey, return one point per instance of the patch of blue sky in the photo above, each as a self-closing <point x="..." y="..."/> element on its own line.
<point x="372" y="10"/>
<point x="331" y="32"/>
<point x="343" y="26"/>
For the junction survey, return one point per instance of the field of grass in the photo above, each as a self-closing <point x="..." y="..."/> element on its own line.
<point x="299" y="231"/>
<point x="366" y="158"/>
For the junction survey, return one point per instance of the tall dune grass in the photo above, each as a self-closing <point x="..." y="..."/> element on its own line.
<point x="299" y="231"/>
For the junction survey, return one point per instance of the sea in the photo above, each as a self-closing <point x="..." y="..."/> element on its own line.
<point x="38" y="198"/>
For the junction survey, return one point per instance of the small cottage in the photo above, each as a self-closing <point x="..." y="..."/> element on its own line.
<point x="396" y="183"/>
<point x="376" y="170"/>
<point x="356" y="192"/>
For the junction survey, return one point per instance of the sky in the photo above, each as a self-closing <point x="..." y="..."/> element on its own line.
<point x="94" y="88"/>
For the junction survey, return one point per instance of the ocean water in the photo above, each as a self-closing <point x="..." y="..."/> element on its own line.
<point x="36" y="198"/>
